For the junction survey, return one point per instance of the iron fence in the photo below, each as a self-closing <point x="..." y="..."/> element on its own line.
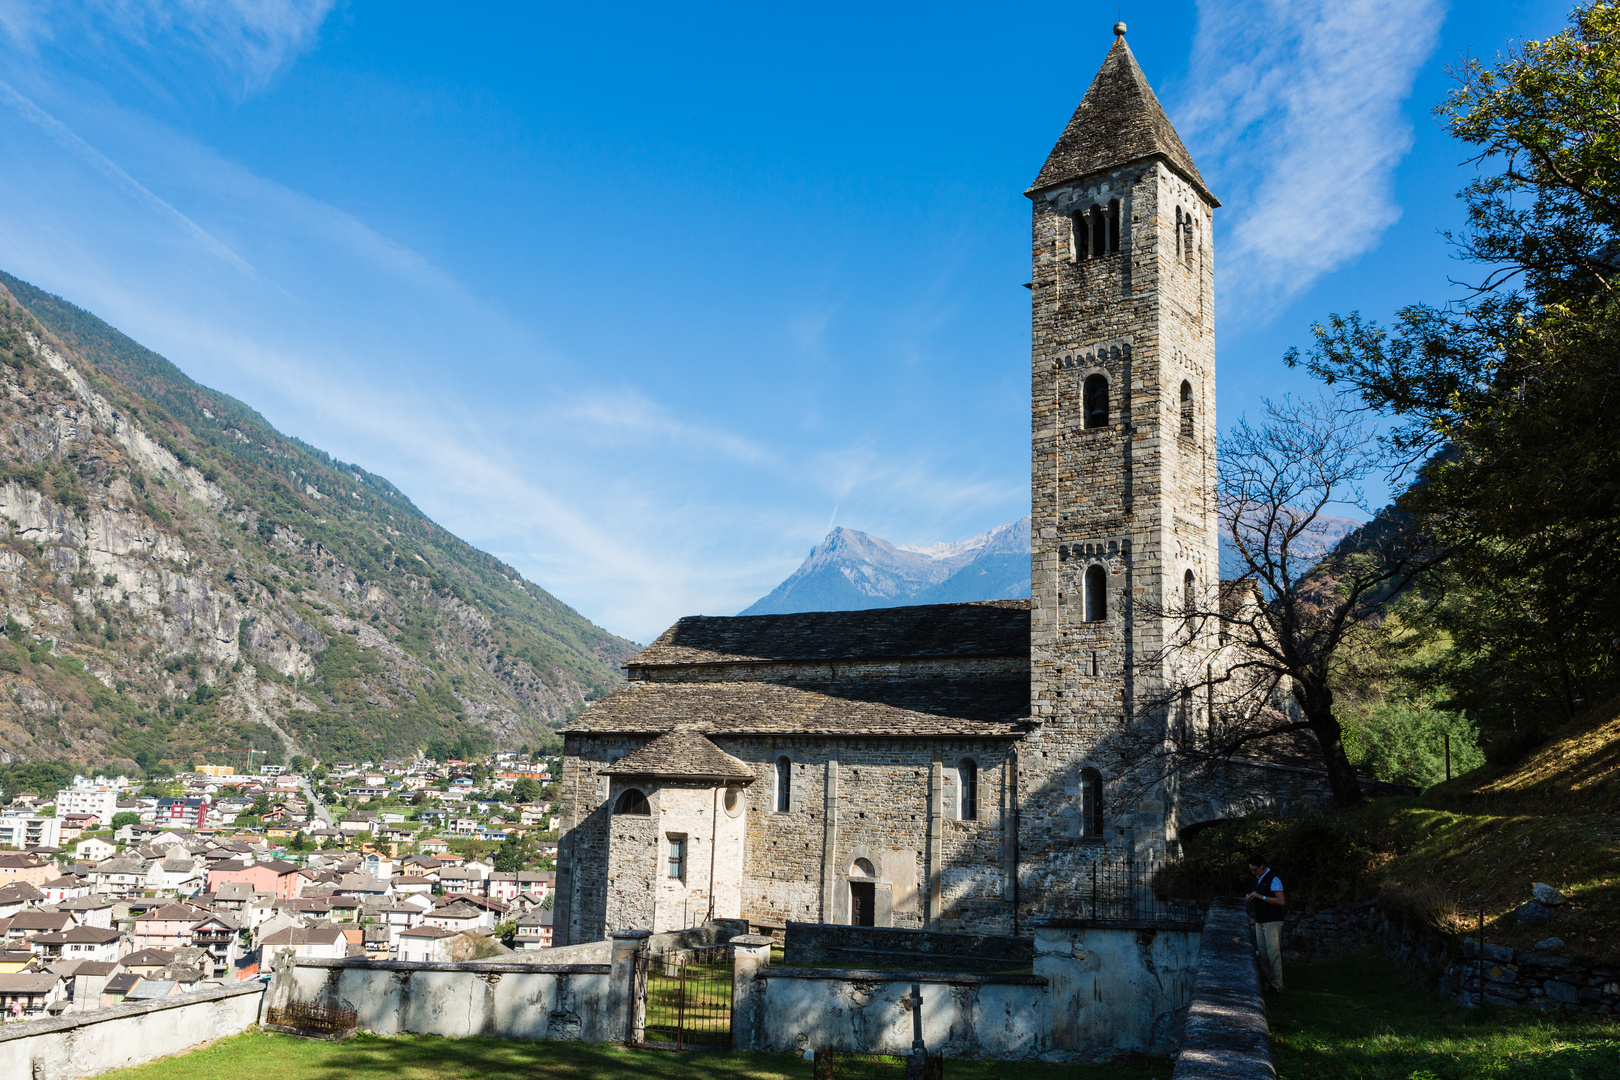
<point x="687" y="996"/>
<point x="314" y="1017"/>
<point x="1125" y="892"/>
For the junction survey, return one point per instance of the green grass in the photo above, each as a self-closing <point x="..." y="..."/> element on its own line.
<point x="262" y="1056"/>
<point x="1359" y="1018"/>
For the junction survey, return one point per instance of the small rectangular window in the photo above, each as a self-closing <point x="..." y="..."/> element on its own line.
<point x="677" y="858"/>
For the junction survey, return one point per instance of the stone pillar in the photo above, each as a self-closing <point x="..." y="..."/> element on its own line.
<point x="749" y="953"/>
<point x="936" y="846"/>
<point x="626" y="1008"/>
<point x="829" y="841"/>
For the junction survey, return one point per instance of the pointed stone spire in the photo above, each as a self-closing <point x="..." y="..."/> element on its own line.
<point x="1119" y="121"/>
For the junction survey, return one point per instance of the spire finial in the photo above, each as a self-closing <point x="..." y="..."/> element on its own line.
<point x="1119" y="29"/>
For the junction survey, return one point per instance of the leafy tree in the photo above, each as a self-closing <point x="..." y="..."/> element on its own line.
<point x="1406" y="743"/>
<point x="1261" y="659"/>
<point x="526" y="790"/>
<point x="261" y="805"/>
<point x="44" y="778"/>
<point x="1512" y="388"/>
<point x="513" y="854"/>
<point x="125" y="817"/>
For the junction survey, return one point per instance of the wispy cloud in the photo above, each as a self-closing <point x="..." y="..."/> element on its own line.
<point x="131" y="187"/>
<point x="248" y="39"/>
<point x="1293" y="109"/>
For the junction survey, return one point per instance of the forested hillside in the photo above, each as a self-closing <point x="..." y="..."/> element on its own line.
<point x="182" y="582"/>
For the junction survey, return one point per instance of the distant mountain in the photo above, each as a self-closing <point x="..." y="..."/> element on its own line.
<point x="851" y="570"/>
<point x="180" y="582"/>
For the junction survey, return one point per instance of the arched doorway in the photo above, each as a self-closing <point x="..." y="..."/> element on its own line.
<point x="862" y="894"/>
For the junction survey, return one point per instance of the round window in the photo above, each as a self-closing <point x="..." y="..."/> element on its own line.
<point x="733" y="800"/>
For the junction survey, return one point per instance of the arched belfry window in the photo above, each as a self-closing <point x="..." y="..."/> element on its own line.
<point x="784" y="784"/>
<point x="1113" y="224"/>
<point x="967" y="775"/>
<point x="1099" y="231"/>
<point x="1091" y="810"/>
<point x="632" y="802"/>
<point x="1178" y="232"/>
<point x="1096" y="594"/>
<point x="1186" y="410"/>
<point x="1187" y="239"/>
<point x="1079" y="237"/>
<point x="1189" y="595"/>
<point x="1095" y="401"/>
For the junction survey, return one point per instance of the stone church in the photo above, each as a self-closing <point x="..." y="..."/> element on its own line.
<point x="957" y="766"/>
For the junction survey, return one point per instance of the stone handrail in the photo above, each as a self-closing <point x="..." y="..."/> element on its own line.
<point x="1226" y="1035"/>
<point x="85" y="1043"/>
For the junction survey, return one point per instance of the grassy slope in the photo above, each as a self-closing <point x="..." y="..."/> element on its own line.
<point x="310" y="546"/>
<point x="1478" y="842"/>
<point x="1358" y="1018"/>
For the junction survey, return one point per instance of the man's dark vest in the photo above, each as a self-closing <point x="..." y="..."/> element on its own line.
<point x="1264" y="911"/>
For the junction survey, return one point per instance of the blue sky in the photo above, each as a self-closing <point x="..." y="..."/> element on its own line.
<point x="644" y="300"/>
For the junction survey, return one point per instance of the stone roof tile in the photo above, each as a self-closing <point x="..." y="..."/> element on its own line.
<point x="684" y="755"/>
<point x="970" y="707"/>
<point x="1119" y="121"/>
<point x="985" y="628"/>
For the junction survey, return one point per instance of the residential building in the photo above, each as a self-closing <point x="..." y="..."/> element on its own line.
<point x="30" y="992"/>
<point x="189" y="813"/>
<point x="279" y="878"/>
<point x="100" y="800"/>
<point x="424" y="944"/>
<point x="94" y="850"/>
<point x="80" y="943"/>
<point x="24" y="867"/>
<point x="534" y="930"/>
<point x="303" y="942"/>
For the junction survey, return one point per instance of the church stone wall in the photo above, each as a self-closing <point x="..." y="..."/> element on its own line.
<point x="894" y="802"/>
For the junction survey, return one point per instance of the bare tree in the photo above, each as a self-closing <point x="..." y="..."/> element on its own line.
<point x="1257" y="657"/>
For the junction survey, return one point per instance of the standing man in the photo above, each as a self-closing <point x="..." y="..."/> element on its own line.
<point x="1266" y="904"/>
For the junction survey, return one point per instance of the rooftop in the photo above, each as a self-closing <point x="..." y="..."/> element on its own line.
<point x="986" y="628"/>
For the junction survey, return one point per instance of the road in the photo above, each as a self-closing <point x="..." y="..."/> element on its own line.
<point x="316" y="807"/>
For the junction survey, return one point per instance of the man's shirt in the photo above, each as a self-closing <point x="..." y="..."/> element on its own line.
<point x="1263" y="910"/>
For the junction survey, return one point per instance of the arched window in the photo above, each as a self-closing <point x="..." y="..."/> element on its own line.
<point x="784" y="784"/>
<point x="1178" y="232"/>
<point x="1096" y="594"/>
<point x="1187" y="239"/>
<point x="632" y="802"/>
<point x="1099" y="232"/>
<point x="1113" y="224"/>
<point x="1079" y="237"/>
<point x="1095" y="401"/>
<point x="1091" y="811"/>
<point x="967" y="775"/>
<point x="1186" y="410"/>
<point x="863" y="868"/>
<point x="1189" y="595"/>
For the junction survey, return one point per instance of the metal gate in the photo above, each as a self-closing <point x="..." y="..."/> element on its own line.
<point x="685" y="999"/>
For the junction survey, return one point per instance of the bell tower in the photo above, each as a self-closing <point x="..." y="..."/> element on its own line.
<point x="1123" y="379"/>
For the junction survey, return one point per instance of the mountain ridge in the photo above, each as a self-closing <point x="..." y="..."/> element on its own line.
<point x="180" y="579"/>
<point x="851" y="570"/>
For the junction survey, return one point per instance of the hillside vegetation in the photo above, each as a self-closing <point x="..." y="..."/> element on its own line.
<point x="1474" y="844"/>
<point x="182" y="582"/>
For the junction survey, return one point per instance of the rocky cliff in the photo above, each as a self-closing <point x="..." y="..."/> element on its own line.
<point x="182" y="582"/>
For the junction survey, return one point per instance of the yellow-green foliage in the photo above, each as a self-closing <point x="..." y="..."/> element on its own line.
<point x="1475" y="844"/>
